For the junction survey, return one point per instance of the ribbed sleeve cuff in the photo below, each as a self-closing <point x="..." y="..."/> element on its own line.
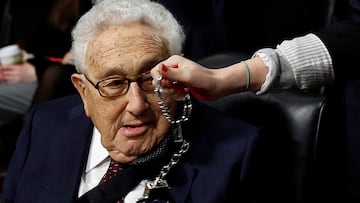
<point x="309" y="59"/>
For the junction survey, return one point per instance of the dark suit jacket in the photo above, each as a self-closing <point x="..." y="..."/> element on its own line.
<point x="343" y="42"/>
<point x="53" y="146"/>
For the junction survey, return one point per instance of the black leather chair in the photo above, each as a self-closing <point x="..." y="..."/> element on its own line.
<point x="300" y="155"/>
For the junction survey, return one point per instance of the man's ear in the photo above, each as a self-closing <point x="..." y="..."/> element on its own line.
<point x="79" y="83"/>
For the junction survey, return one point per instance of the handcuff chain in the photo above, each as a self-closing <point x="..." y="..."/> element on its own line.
<point x="173" y="161"/>
<point x="165" y="109"/>
<point x="159" y="181"/>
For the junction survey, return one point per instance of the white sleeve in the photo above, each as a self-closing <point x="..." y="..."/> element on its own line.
<point x="303" y="62"/>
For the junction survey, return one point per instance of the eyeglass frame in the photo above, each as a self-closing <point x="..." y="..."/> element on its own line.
<point x="138" y="80"/>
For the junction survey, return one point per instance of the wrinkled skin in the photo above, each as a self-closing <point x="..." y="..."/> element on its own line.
<point x="130" y="124"/>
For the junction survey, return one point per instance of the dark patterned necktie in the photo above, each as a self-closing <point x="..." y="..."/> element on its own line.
<point x="113" y="169"/>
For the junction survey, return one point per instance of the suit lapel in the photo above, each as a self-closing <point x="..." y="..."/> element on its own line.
<point x="80" y="132"/>
<point x="72" y="152"/>
<point x="180" y="181"/>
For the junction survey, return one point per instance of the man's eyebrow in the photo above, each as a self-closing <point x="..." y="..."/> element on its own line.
<point x="108" y="71"/>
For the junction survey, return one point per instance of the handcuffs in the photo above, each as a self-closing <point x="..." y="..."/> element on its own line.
<point x="159" y="184"/>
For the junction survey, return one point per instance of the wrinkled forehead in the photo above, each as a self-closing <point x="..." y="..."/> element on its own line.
<point x="127" y="50"/>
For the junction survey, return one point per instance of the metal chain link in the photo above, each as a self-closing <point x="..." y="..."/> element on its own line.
<point x="165" y="109"/>
<point x="174" y="159"/>
<point x="159" y="180"/>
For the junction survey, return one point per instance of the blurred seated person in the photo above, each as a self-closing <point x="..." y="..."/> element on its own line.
<point x="42" y="29"/>
<point x="18" y="83"/>
<point x="115" y="122"/>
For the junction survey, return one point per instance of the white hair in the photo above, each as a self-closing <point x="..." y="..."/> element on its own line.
<point x="108" y="13"/>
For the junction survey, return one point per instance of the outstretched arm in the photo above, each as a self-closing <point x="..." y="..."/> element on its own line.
<point x="209" y="84"/>
<point x="304" y="62"/>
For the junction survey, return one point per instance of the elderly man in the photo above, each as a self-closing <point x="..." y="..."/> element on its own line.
<point x="65" y="149"/>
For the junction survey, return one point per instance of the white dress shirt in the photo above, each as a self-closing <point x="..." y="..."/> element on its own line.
<point x="97" y="164"/>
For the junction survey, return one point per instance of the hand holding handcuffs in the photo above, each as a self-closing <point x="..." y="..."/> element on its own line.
<point x="159" y="183"/>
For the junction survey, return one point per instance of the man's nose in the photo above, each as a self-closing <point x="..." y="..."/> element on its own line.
<point x="137" y="99"/>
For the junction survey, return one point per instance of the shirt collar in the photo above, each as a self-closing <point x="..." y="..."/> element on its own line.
<point x="97" y="152"/>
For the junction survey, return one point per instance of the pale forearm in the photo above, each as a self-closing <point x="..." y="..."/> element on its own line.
<point x="234" y="78"/>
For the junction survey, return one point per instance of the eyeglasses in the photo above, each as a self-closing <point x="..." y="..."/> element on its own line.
<point x="116" y="86"/>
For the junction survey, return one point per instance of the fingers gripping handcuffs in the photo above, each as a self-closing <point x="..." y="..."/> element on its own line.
<point x="159" y="183"/>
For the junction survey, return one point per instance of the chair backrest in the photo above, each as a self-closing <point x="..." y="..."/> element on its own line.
<point x="296" y="149"/>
